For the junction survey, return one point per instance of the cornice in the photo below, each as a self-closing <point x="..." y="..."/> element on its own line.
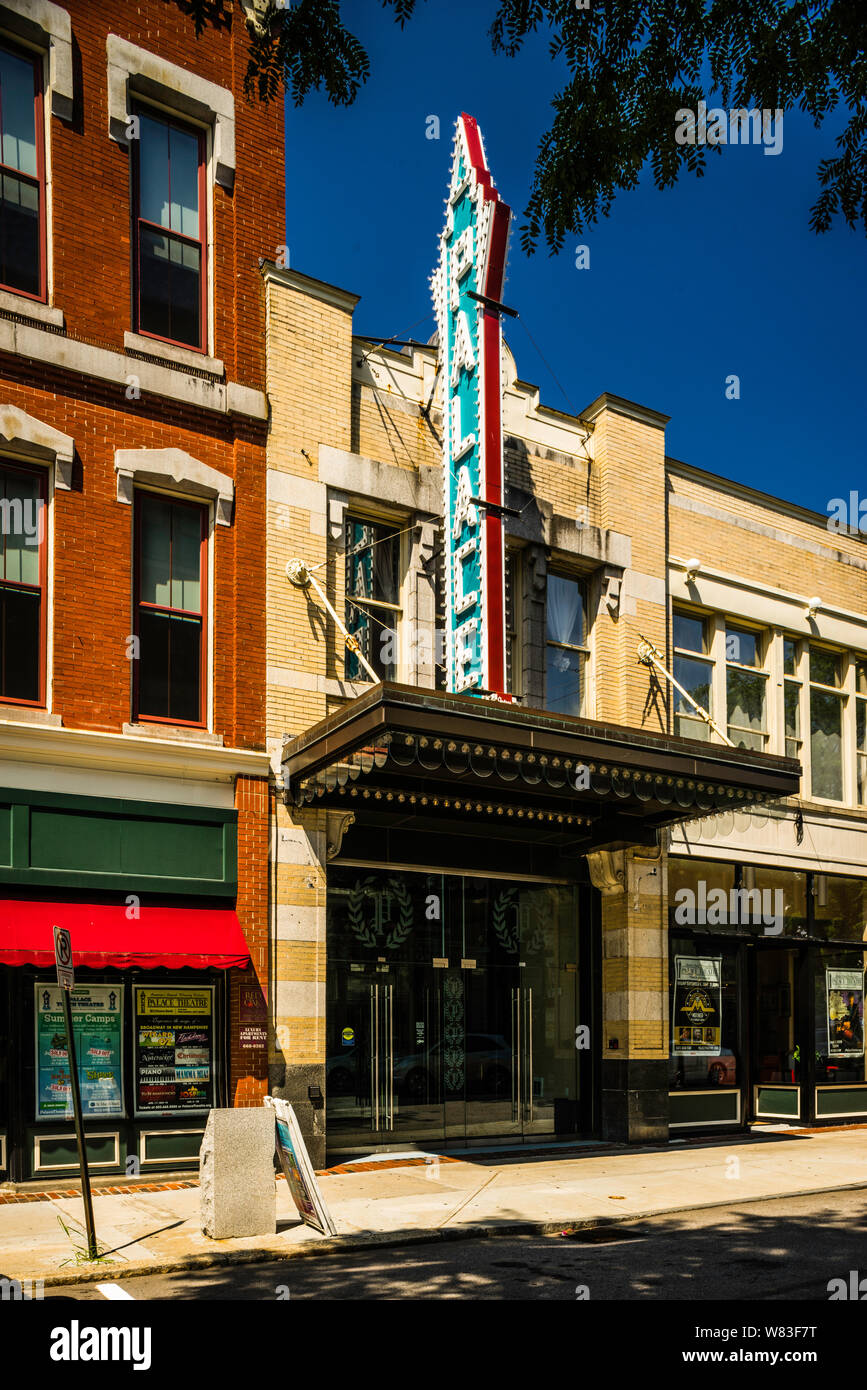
<point x="155" y="757"/>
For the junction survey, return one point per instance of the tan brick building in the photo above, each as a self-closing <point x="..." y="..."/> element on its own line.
<point x="588" y="910"/>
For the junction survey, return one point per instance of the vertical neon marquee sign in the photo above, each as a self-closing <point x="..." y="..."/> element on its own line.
<point x="467" y="285"/>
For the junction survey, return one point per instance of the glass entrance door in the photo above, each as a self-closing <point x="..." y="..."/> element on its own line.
<point x="777" y="1046"/>
<point x="450" y="1014"/>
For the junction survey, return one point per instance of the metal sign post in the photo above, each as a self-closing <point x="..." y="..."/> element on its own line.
<point x="66" y="981"/>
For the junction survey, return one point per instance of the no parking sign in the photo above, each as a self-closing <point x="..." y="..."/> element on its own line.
<point x="63" y="958"/>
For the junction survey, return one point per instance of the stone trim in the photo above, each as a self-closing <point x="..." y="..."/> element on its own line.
<point x="49" y="27"/>
<point x="177" y="469"/>
<point x="70" y="354"/>
<point x="306" y="284"/>
<point x="170" y="352"/>
<point x="30" y="309"/>
<point x="133" y="70"/>
<point x="33" y="439"/>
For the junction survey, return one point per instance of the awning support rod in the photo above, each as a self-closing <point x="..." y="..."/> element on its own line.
<point x="649" y="656"/>
<point x="298" y="574"/>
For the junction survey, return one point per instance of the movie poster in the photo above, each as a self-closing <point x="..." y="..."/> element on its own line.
<point x="696" y="1023"/>
<point x="844" y="990"/>
<point x="298" y="1170"/>
<point x="97" y="1015"/>
<point x="174" y="1049"/>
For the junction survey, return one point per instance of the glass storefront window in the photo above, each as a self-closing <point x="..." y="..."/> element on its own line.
<point x="783" y="901"/>
<point x="693" y="884"/>
<point x="703" y="1010"/>
<point x="839" y="908"/>
<point x="838" y="1001"/>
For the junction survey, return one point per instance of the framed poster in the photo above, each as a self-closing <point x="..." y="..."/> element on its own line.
<point x="97" y="1022"/>
<point x="844" y="995"/>
<point x="696" y="1016"/>
<point x="298" y="1170"/>
<point x="174" y="1049"/>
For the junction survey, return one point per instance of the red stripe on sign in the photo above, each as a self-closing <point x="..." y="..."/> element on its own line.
<point x="495" y="568"/>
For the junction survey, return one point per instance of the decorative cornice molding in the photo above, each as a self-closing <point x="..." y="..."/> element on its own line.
<point x="122" y="753"/>
<point x="177" y="469"/>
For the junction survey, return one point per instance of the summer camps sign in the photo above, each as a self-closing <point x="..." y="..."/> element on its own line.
<point x="467" y="290"/>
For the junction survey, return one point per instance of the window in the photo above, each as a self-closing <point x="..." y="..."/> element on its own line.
<point x="513" y="621"/>
<point x="565" y="647"/>
<point x="792" y="685"/>
<point x="826" y="724"/>
<point x="22" y="176"/>
<point x="861" y="730"/>
<point x="169" y="231"/>
<point x="22" y="585"/>
<point x="171" y="550"/>
<point x="745" y="688"/>
<point x="690" y="642"/>
<point x="372" y="597"/>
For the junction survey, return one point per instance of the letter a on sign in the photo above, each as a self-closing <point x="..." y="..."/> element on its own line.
<point x="63" y="958"/>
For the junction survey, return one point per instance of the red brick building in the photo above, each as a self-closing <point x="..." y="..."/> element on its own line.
<point x="140" y="188"/>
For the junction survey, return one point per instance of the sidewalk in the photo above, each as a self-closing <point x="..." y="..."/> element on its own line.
<point x="399" y="1200"/>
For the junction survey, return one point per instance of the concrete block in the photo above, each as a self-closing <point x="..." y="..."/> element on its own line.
<point x="236" y="1172"/>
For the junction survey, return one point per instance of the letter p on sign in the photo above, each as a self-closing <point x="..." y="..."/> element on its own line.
<point x="63" y="958"/>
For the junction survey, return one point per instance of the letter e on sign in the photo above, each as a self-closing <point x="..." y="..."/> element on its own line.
<point x="63" y="958"/>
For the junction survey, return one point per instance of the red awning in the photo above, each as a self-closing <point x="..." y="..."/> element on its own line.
<point x="103" y="936"/>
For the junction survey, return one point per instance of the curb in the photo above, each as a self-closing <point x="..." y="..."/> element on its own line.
<point x="341" y="1245"/>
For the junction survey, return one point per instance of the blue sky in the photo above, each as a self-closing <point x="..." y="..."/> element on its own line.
<point x="717" y="276"/>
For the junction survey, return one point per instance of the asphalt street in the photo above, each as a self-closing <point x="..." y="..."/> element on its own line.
<point x="769" y="1251"/>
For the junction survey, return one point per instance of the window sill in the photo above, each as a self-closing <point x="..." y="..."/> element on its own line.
<point x="177" y="733"/>
<point x="29" y="714"/>
<point x="30" y="309"/>
<point x="169" y="352"/>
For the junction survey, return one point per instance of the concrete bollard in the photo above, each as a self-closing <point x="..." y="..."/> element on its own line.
<point x="236" y="1172"/>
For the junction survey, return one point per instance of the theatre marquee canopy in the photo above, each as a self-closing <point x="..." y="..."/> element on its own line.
<point x="399" y="754"/>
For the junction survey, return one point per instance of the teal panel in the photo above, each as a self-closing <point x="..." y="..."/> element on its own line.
<point x="97" y="843"/>
<point x="686" y="1108"/>
<point x="842" y="1100"/>
<point x="63" y="1152"/>
<point x="772" y="1100"/>
<point x="169" y="1148"/>
<point x="69" y="840"/>
<point x="175" y="849"/>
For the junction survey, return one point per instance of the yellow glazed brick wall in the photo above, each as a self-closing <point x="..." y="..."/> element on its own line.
<point x="747" y="536"/>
